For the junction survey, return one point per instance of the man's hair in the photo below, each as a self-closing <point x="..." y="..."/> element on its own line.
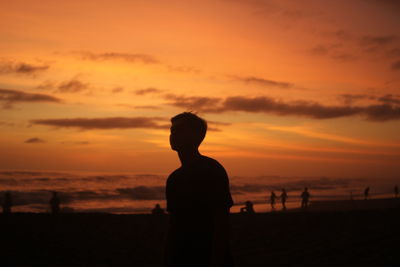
<point x="192" y="122"/>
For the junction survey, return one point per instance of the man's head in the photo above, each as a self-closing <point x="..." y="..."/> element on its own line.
<point x="187" y="131"/>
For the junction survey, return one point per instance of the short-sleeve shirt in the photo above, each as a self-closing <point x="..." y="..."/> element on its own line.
<point x="193" y="194"/>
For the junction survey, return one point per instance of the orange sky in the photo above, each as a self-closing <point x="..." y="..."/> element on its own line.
<point x="303" y="88"/>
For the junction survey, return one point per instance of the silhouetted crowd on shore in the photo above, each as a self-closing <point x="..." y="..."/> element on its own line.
<point x="305" y="199"/>
<point x="54" y="203"/>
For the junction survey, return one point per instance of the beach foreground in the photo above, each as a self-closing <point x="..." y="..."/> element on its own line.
<point x="320" y="238"/>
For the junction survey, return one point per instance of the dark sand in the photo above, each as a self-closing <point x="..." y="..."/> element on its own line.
<point x="368" y="237"/>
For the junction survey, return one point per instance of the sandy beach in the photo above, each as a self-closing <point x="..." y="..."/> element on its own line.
<point x="359" y="237"/>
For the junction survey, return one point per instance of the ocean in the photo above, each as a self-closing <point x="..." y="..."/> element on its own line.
<point x="123" y="193"/>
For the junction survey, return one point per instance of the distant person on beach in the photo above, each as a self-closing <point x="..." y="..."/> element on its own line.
<point x="396" y="191"/>
<point x="283" y="198"/>
<point x="248" y="208"/>
<point x="305" y="196"/>
<point x="198" y="201"/>
<point x="272" y="200"/>
<point x="366" y="193"/>
<point x="7" y="203"/>
<point x="157" y="210"/>
<point x="55" y="203"/>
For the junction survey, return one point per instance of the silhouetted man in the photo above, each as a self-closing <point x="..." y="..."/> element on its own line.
<point x="305" y="196"/>
<point x="283" y="197"/>
<point x="273" y="200"/>
<point x="366" y="193"/>
<point x="157" y="210"/>
<point x="396" y="191"/>
<point x="198" y="201"/>
<point x="55" y="203"/>
<point x="248" y="208"/>
<point x="7" y="203"/>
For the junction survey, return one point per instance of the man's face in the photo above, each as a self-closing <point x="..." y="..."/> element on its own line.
<point x="181" y="137"/>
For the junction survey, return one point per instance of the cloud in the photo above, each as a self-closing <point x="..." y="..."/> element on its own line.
<point x="219" y="123"/>
<point x="263" y="82"/>
<point x="139" y="106"/>
<point x="194" y="103"/>
<point x="391" y="4"/>
<point x="76" y="142"/>
<point x="333" y="51"/>
<point x="144" y="192"/>
<point x="269" y="8"/>
<point x="117" y="90"/>
<point x="308" y="109"/>
<point x="349" y="99"/>
<point x="146" y="91"/>
<point x="340" y="56"/>
<point x="104" y="123"/>
<point x="134" y="58"/>
<point x="265" y="104"/>
<point x="320" y="50"/>
<point x="183" y="69"/>
<point x="377" y="40"/>
<point x="46" y="85"/>
<point x="301" y="108"/>
<point x="395" y="52"/>
<point x="72" y="86"/>
<point x="395" y="65"/>
<point x="147" y="107"/>
<point x="213" y="125"/>
<point x="7" y="67"/>
<point x="10" y="97"/>
<point x="4" y="123"/>
<point x="385" y="99"/>
<point x="82" y="143"/>
<point x="114" y="56"/>
<point x="34" y="140"/>
<point x="377" y="43"/>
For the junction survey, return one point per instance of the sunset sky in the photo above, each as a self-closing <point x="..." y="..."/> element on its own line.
<point x="296" y="88"/>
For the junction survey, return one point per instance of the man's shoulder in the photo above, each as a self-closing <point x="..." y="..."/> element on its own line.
<point x="173" y="174"/>
<point x="212" y="168"/>
<point x="210" y="162"/>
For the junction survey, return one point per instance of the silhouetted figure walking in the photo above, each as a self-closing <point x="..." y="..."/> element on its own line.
<point x="366" y="193"/>
<point x="198" y="201"/>
<point x="157" y="210"/>
<point x="272" y="200"/>
<point x="7" y="203"/>
<point x="283" y="198"/>
<point x="396" y="191"/>
<point x="248" y="208"/>
<point x="305" y="196"/>
<point x="55" y="203"/>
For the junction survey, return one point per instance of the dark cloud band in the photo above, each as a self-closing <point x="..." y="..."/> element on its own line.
<point x="7" y="67"/>
<point x="105" y="123"/>
<point x="381" y="111"/>
<point x="9" y="97"/>
<point x="114" y="56"/>
<point x="263" y="82"/>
